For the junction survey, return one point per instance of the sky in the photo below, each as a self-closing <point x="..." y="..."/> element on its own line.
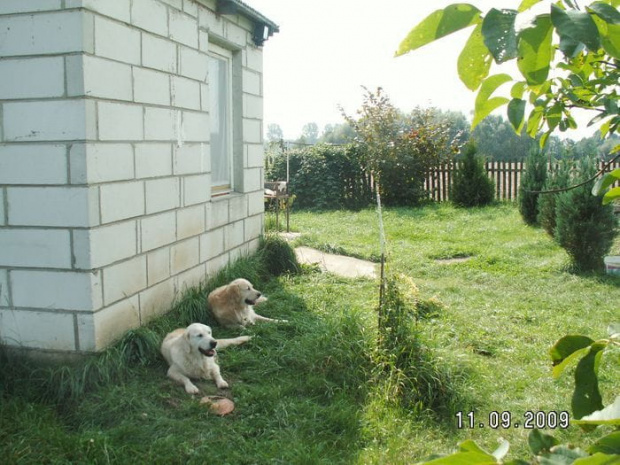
<point x="327" y="50"/>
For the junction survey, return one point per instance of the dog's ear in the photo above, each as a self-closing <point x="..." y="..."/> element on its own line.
<point x="188" y="347"/>
<point x="234" y="291"/>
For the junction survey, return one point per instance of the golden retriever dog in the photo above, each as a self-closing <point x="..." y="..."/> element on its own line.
<point x="190" y="353"/>
<point x="232" y="304"/>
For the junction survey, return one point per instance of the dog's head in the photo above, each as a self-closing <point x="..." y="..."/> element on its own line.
<point x="245" y="292"/>
<point x="199" y="338"/>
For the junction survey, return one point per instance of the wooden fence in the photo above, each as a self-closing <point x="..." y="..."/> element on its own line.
<point x="506" y="175"/>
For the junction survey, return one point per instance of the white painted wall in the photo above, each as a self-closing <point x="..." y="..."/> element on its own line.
<point x="106" y="211"/>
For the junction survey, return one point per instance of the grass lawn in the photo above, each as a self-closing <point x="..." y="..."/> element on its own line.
<point x="308" y="392"/>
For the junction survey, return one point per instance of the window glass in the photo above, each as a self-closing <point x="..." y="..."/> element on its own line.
<point x="220" y="122"/>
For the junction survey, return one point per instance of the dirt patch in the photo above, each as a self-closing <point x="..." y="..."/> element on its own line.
<point x="448" y="261"/>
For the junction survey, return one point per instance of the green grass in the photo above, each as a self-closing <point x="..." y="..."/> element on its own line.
<point x="310" y="392"/>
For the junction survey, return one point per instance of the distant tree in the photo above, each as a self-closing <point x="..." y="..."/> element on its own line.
<point x="309" y="134"/>
<point x="454" y="123"/>
<point x="496" y="140"/>
<point x="274" y="133"/>
<point x="337" y="134"/>
<point x="607" y="146"/>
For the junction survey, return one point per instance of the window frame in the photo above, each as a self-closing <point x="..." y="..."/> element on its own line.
<point x="222" y="54"/>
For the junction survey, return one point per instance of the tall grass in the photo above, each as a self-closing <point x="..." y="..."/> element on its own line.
<point x="65" y="383"/>
<point x="414" y="379"/>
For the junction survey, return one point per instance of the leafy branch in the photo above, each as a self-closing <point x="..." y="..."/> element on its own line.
<point x="568" y="58"/>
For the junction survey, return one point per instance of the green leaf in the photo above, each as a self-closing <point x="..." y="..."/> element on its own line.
<point x="534" y="121"/>
<point x="471" y="446"/>
<point x="611" y="195"/>
<point x="610" y="36"/>
<point x="484" y="103"/>
<point x="535" y="51"/>
<point x="516" y="114"/>
<point x="586" y="396"/>
<point x="475" y="60"/>
<point x="602" y="184"/>
<point x="540" y="442"/>
<point x="558" y="369"/>
<point x="498" y="30"/>
<point x="609" y="444"/>
<point x="518" y="90"/>
<point x="606" y="12"/>
<point x="527" y="4"/>
<point x="610" y="415"/>
<point x="465" y="458"/>
<point x="469" y="453"/>
<point x="502" y="450"/>
<point x="566" y="345"/>
<point x="598" y="459"/>
<point x="554" y="116"/>
<point x="561" y="455"/>
<point x="439" y="24"/>
<point x="575" y="26"/>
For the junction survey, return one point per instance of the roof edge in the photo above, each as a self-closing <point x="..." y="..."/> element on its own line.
<point x="263" y="26"/>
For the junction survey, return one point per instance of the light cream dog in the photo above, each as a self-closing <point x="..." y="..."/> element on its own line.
<point x="190" y="353"/>
<point x="232" y="304"/>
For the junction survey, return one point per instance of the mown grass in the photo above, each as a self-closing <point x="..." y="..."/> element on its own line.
<point x="508" y="299"/>
<point x="311" y="391"/>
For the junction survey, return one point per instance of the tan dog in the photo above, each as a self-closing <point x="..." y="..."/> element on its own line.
<point x="190" y="352"/>
<point x="232" y="304"/>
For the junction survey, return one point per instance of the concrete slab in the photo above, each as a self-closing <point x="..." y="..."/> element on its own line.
<point x="348" y="267"/>
<point x="289" y="236"/>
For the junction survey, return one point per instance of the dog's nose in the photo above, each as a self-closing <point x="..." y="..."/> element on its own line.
<point x="259" y="294"/>
<point x="213" y="344"/>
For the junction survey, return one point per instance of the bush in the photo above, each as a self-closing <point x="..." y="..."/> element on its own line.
<point x="324" y="177"/>
<point x="471" y="186"/>
<point x="585" y="227"/>
<point x="533" y="180"/>
<point x="278" y="256"/>
<point x="416" y="152"/>
<point x="557" y="178"/>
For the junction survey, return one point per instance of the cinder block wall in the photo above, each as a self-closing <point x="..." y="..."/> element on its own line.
<point x="106" y="211"/>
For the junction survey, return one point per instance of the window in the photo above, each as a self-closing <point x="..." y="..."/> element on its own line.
<point x="220" y="117"/>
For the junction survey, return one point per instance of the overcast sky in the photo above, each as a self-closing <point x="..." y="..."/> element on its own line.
<point x="327" y="49"/>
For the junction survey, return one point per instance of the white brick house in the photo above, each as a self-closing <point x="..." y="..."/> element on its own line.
<point x="130" y="160"/>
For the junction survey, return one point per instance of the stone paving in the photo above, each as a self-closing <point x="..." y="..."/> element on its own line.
<point x="348" y="267"/>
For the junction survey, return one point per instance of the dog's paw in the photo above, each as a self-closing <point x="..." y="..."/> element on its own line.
<point x="221" y="384"/>
<point x="242" y="339"/>
<point x="191" y="389"/>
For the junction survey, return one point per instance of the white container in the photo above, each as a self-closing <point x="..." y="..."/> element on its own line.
<point x="612" y="265"/>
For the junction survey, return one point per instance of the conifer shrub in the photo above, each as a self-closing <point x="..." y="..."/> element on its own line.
<point x="472" y="187"/>
<point x="533" y="180"/>
<point x="557" y="178"/>
<point x="585" y="227"/>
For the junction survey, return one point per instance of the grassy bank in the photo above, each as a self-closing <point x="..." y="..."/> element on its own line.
<point x="310" y="392"/>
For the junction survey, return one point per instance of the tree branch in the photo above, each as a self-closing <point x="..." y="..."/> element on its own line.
<point x="566" y="189"/>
